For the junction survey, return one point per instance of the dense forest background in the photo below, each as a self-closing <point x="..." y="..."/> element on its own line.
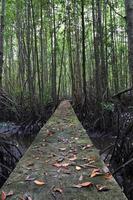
<point x="53" y="49"/>
<point x="81" y="50"/>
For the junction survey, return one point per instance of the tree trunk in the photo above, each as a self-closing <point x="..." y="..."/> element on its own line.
<point x="129" y="16"/>
<point x="36" y="51"/>
<point x="54" y="92"/>
<point x="83" y="51"/>
<point x="1" y="39"/>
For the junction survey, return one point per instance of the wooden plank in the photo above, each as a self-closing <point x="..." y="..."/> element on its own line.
<point x="60" y="157"/>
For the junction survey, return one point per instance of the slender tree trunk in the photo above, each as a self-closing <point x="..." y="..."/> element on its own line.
<point x="54" y="47"/>
<point x="2" y="39"/>
<point x="96" y="54"/>
<point x="36" y="52"/>
<point x="61" y="66"/>
<point x="83" y="51"/>
<point x="42" y="52"/>
<point x="29" y="50"/>
<point x="129" y="17"/>
<point x="69" y="42"/>
<point x="77" y="60"/>
<point x="103" y="66"/>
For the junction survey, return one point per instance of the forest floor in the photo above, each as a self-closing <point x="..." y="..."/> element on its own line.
<point x="62" y="164"/>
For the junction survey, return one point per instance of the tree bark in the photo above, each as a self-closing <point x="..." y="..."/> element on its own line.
<point x="83" y="51"/>
<point x="2" y="39"/>
<point x="129" y="17"/>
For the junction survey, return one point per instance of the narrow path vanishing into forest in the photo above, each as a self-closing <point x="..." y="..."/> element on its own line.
<point x="61" y="164"/>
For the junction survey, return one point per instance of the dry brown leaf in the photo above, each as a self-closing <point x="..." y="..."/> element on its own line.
<point x="30" y="164"/>
<point x="39" y="182"/>
<point x="58" y="190"/>
<point x="3" y="195"/>
<point x="85" y="184"/>
<point x="87" y="146"/>
<point x="73" y="158"/>
<point x="62" y="149"/>
<point x="108" y="176"/>
<point x="95" y="172"/>
<point x="102" y="188"/>
<point x="78" y="168"/>
<point x="63" y="165"/>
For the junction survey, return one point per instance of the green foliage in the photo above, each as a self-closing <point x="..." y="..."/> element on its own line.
<point x="19" y="35"/>
<point x="107" y="106"/>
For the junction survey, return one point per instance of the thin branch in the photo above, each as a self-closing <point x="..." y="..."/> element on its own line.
<point x="122" y="92"/>
<point x="110" y="5"/>
<point x="123" y="166"/>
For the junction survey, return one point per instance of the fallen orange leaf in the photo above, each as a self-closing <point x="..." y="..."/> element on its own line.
<point x="85" y="184"/>
<point x="58" y="165"/>
<point x="58" y="190"/>
<point x="38" y="182"/>
<point x="108" y="175"/>
<point x="73" y="158"/>
<point x="95" y="172"/>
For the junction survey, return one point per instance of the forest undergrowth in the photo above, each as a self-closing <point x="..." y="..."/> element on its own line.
<point x="24" y="122"/>
<point x="111" y="131"/>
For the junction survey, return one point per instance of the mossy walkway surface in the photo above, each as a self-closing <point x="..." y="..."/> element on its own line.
<point x="61" y="164"/>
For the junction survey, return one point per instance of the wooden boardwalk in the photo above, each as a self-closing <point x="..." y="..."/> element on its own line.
<point x="61" y="164"/>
